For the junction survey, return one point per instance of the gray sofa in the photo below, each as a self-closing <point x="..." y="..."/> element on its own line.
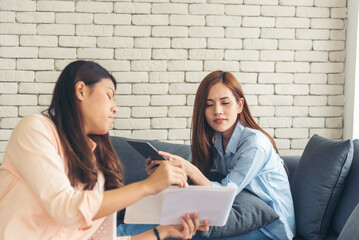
<point x="324" y="183"/>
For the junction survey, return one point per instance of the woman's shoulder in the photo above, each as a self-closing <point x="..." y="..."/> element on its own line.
<point x="35" y="122"/>
<point x="256" y="138"/>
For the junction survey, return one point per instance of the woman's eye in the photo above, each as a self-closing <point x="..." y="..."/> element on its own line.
<point x="225" y="103"/>
<point x="209" y="105"/>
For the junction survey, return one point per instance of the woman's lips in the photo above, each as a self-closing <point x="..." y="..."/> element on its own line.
<point x="219" y="120"/>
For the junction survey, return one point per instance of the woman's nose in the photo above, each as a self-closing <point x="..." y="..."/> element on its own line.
<point x="115" y="109"/>
<point x="218" y="110"/>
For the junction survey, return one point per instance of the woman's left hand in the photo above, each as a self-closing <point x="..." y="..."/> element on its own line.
<point x="187" y="166"/>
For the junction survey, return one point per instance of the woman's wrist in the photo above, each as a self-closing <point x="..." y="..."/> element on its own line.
<point x="163" y="232"/>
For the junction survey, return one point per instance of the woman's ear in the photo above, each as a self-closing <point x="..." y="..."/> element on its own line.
<point x="240" y="105"/>
<point x="80" y="90"/>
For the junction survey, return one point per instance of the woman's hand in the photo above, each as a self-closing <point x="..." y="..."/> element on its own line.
<point x="166" y="174"/>
<point x="187" y="230"/>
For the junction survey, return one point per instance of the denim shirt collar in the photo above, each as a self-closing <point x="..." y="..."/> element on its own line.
<point x="233" y="142"/>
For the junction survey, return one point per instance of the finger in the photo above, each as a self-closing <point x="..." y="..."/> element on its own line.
<point x="190" y="224"/>
<point x="185" y="231"/>
<point x="166" y="155"/>
<point x="148" y="161"/>
<point x="205" y="226"/>
<point x="196" y="221"/>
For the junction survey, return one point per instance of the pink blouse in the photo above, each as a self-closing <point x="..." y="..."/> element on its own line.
<point x="37" y="200"/>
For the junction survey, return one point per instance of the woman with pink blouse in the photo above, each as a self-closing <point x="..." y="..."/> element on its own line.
<point x="60" y="176"/>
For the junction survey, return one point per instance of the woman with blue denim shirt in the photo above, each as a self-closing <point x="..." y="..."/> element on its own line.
<point x="226" y="136"/>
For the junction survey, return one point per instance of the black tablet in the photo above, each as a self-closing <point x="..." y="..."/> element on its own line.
<point x="146" y="149"/>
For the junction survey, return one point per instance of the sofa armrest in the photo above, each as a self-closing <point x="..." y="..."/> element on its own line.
<point x="291" y="162"/>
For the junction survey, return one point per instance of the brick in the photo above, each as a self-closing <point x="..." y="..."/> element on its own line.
<point x="257" y="66"/>
<point x="277" y="33"/>
<point x="292" y="22"/>
<point x="312" y="34"/>
<point x="35" y="17"/>
<point x="36" y="88"/>
<point x="188" y="65"/>
<point x="338" y="12"/>
<point x="7" y="64"/>
<point x="327" y="23"/>
<point x="149" y="65"/>
<point x="169" y="8"/>
<point x="185" y="20"/>
<point x="324" y="3"/>
<point x="77" y="41"/>
<point x="123" y="112"/>
<point x="242" y="32"/>
<point x="329" y="45"/>
<point x="294" y="67"/>
<point x="292" y="89"/>
<point x="8" y="88"/>
<point x="132" y="124"/>
<point x="258" y="88"/>
<point x="168" y="123"/>
<point x="328" y="133"/>
<point x="60" y="64"/>
<point x="5" y="135"/>
<point x="337" y="56"/>
<point x="132" y="100"/>
<point x="225" y="21"/>
<point x="196" y="76"/>
<point x="291" y="111"/>
<point x="27" y="110"/>
<point x="7" y="17"/>
<point x="152" y="43"/>
<point x="94" y="30"/>
<point x="327" y="67"/>
<point x="274" y="122"/>
<point x="150" y="134"/>
<point x="17" y="28"/>
<point x="55" y="6"/>
<point x="336" y="100"/>
<point x="150" y="20"/>
<point x="337" y="34"/>
<point x="206" y="54"/>
<point x="95" y="53"/>
<point x="7" y="111"/>
<point x="296" y="3"/>
<point x="112" y="18"/>
<point x="299" y="143"/>
<point x="258" y="22"/>
<point x="189" y="43"/>
<point x="150" y="88"/>
<point x="132" y="54"/>
<point x="47" y="76"/>
<point x="183" y="88"/>
<point x="216" y="32"/>
<point x="157" y="77"/>
<point x="131" y="77"/>
<point x="311" y="56"/>
<point x="230" y="66"/>
<point x="35" y="64"/>
<point x="206" y="9"/>
<point x="291" y="133"/>
<point x="56" y="29"/>
<point x="325" y="111"/>
<point x="169" y="31"/>
<point x="120" y="133"/>
<point x="312" y="12"/>
<point x="242" y="10"/>
<point x="276" y="100"/>
<point x="39" y="41"/>
<point x="17" y="5"/>
<point x="132" y="7"/>
<point x="275" y="78"/>
<point x="260" y="44"/>
<point x="310" y="100"/>
<point x="94" y="7"/>
<point x="295" y="44"/>
<point x="190" y="100"/>
<point x="241" y="55"/>
<point x="334" y="122"/>
<point x="9" y="40"/>
<point x="261" y="2"/>
<point x="57" y="53"/>
<point x="282" y="144"/>
<point x="173" y="100"/>
<point x="276" y="55"/>
<point x="262" y="111"/>
<point x="252" y="100"/>
<point x="44" y="100"/>
<point x="179" y="134"/>
<point x="336" y="78"/>
<point x="114" y="65"/>
<point x="18" y="52"/>
<point x="326" y="89"/>
<point x="148" y="112"/>
<point x="179" y="54"/>
<point x="9" y="123"/>
<point x="311" y="78"/>
<point x="123" y="89"/>
<point x="16" y="76"/>
<point x="224" y="43"/>
<point x="278" y="11"/>
<point x="308" y="122"/>
<point x="182" y="111"/>
<point x="74" y="18"/>
<point x="17" y="100"/>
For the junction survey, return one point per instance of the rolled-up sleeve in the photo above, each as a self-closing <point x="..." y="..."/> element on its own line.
<point x="35" y="152"/>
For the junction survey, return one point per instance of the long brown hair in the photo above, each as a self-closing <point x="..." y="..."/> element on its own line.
<point x="82" y="163"/>
<point x="202" y="134"/>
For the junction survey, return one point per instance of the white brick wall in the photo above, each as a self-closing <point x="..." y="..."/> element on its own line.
<point x="288" y="55"/>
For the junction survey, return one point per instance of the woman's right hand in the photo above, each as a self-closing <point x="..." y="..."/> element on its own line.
<point x="166" y="174"/>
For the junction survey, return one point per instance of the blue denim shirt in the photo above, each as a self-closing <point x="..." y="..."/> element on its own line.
<point x="251" y="162"/>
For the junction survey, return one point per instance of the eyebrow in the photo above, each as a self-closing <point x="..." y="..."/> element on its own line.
<point x="222" y="98"/>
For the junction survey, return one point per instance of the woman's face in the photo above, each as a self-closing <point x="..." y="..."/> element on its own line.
<point x="222" y="109"/>
<point x="98" y="106"/>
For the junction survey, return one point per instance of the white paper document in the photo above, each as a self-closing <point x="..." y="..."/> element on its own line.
<point x="166" y="207"/>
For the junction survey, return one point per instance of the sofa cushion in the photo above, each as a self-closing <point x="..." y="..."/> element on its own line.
<point x="350" y="196"/>
<point x="317" y="184"/>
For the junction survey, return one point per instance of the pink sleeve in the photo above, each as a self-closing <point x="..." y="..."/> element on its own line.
<point x="33" y="150"/>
